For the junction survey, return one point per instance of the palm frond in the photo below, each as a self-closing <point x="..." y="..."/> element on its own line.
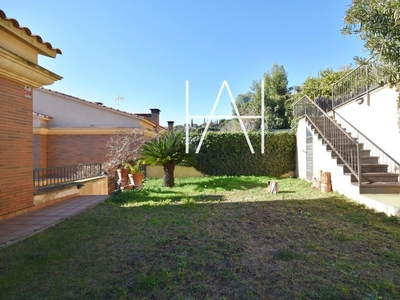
<point x="167" y="148"/>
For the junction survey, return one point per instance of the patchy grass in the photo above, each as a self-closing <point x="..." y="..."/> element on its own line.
<point x="211" y="238"/>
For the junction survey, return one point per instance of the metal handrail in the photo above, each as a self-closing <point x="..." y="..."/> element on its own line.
<point x="353" y="85"/>
<point x="342" y="143"/>
<point x="57" y="176"/>
<point x="384" y="158"/>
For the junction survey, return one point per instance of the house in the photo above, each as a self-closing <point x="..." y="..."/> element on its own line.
<point x="357" y="142"/>
<point x="69" y="130"/>
<point x="19" y="74"/>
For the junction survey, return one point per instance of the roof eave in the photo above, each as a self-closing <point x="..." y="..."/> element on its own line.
<point x="25" y="34"/>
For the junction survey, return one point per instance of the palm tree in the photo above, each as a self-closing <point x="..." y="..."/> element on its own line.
<point x="167" y="150"/>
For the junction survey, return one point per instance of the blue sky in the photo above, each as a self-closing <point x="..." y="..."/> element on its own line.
<point x="146" y="50"/>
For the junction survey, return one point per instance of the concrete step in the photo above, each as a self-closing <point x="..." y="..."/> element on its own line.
<point x="369" y="160"/>
<point x="338" y="140"/>
<point x="365" y="152"/>
<point x="376" y="177"/>
<point x="363" y="160"/>
<point x="368" y="168"/>
<point x="329" y="147"/>
<point x="328" y="129"/>
<point x="380" y="188"/>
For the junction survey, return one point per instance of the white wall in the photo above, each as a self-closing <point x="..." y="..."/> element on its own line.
<point x="37" y="122"/>
<point x="70" y="112"/>
<point x="322" y="159"/>
<point x="377" y="119"/>
<point x="301" y="149"/>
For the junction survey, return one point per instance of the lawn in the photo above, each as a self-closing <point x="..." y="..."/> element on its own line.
<point x="211" y="238"/>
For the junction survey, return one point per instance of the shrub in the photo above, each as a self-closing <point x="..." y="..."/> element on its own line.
<point x="229" y="154"/>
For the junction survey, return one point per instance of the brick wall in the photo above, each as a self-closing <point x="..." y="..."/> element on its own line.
<point x="39" y="151"/>
<point x="16" y="151"/>
<point x="64" y="150"/>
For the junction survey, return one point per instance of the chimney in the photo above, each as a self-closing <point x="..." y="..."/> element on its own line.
<point x="170" y="125"/>
<point x="155" y="115"/>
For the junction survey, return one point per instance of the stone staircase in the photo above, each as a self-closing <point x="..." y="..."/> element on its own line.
<point x="375" y="176"/>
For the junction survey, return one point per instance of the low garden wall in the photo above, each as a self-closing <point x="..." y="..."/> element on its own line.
<point x="91" y="186"/>
<point x="180" y="172"/>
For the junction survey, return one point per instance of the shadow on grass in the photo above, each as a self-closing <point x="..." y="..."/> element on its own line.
<point x="216" y="190"/>
<point x="201" y="189"/>
<point x="228" y="183"/>
<point x="217" y="245"/>
<point x="143" y="197"/>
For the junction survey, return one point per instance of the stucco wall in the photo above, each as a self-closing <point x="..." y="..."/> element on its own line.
<point x="377" y="119"/>
<point x="301" y="149"/>
<point x="17" y="46"/>
<point x="92" y="186"/>
<point x="69" y="112"/>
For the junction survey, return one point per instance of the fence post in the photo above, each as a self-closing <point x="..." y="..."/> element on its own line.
<point x="333" y="95"/>
<point x="359" y="166"/>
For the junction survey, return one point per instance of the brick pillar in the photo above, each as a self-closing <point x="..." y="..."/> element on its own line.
<point x="16" y="144"/>
<point x="39" y="151"/>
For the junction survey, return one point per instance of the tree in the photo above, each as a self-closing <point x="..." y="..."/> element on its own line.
<point x="168" y="150"/>
<point x="319" y="88"/>
<point x="276" y="95"/>
<point x="125" y="147"/>
<point x="377" y="23"/>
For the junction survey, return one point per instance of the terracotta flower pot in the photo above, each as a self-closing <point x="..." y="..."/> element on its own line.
<point x="138" y="179"/>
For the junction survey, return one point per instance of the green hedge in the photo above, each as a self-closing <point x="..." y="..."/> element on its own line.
<point x="229" y="154"/>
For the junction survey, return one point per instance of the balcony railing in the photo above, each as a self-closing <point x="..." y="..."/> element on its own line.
<point x="51" y="177"/>
<point x="355" y="84"/>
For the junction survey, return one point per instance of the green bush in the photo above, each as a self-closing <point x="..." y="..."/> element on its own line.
<point x="229" y="154"/>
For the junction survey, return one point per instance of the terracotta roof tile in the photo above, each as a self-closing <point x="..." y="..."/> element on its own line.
<point x="28" y="32"/>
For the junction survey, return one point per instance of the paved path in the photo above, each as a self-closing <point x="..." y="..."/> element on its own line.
<point x="19" y="227"/>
